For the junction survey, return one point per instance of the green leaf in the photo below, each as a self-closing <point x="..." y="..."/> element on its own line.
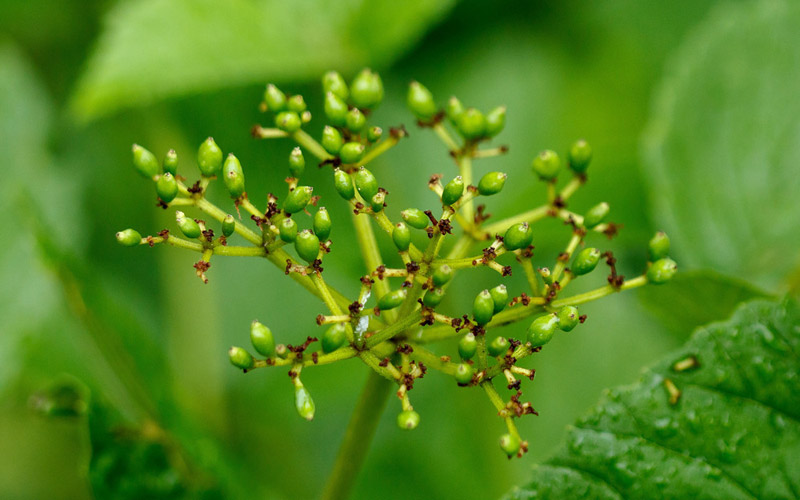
<point x="695" y="298"/>
<point x="155" y="49"/>
<point x="723" y="147"/>
<point x="734" y="432"/>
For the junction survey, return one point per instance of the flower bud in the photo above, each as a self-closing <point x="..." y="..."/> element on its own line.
<point x="492" y="183"/>
<point x="415" y="218"/>
<point x="495" y="121"/>
<point x="167" y="187"/>
<point x="568" y="318"/>
<point x="343" y="184"/>
<point x="145" y="162"/>
<point x="518" y="236"/>
<point x="282" y="351"/>
<point x="307" y="245"/>
<point x="240" y="358"/>
<point x="658" y="248"/>
<point x="392" y="299"/>
<point x="170" y="162"/>
<point x="331" y="140"/>
<point x="498" y="346"/>
<point x="297" y="163"/>
<point x="442" y="275"/>
<point x="377" y="201"/>
<point x="304" y="403"/>
<point x="408" y="420"/>
<point x="596" y="215"/>
<point x="334" y="337"/>
<point x="454" y="109"/>
<point x="287" y="230"/>
<point x="322" y="224"/>
<point x="546" y="165"/>
<point x="288" y="121"/>
<point x="542" y="329"/>
<point x="546" y="274"/>
<point x="374" y="134"/>
<point x="333" y="82"/>
<point x="662" y="271"/>
<point x="209" y="158"/>
<point x="297" y="199"/>
<point x="471" y="124"/>
<point x="464" y="373"/>
<point x="401" y="236"/>
<point x="433" y="297"/>
<point x="233" y="176"/>
<point x="351" y="152"/>
<point x="274" y="99"/>
<point x="420" y="101"/>
<point x="509" y="444"/>
<point x="335" y="109"/>
<point x="585" y="261"/>
<point x="500" y="297"/>
<point x="355" y="120"/>
<point x="366" y="91"/>
<point x="228" y="225"/>
<point x="467" y="346"/>
<point x="366" y="183"/>
<point x="580" y="154"/>
<point x="296" y="103"/>
<point x="483" y="308"/>
<point x="188" y="227"/>
<point x="262" y="340"/>
<point x="452" y="191"/>
<point x="129" y="237"/>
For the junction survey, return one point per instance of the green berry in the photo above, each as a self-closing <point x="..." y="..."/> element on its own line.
<point x="171" y="162"/>
<point x="442" y="275"/>
<point x="262" y="340"/>
<point x="415" y="218"/>
<point x="334" y="337"/>
<point x="580" y="154"/>
<point x="189" y="227"/>
<point x="433" y="297"/>
<point x="596" y="215"/>
<point x="297" y="163"/>
<point x="658" y="247"/>
<point x="568" y="318"/>
<point x="467" y="346"/>
<point x="500" y="297"/>
<point x="145" y="162"/>
<point x="585" y="261"/>
<point x="335" y="109"/>
<point x="662" y="271"/>
<point x="377" y="201"/>
<point x="307" y="245"/>
<point x="355" y="120"/>
<point x="240" y="358"/>
<point x="392" y="299"/>
<point x="420" y="101"/>
<point x="297" y="199"/>
<point x="129" y="237"/>
<point x="322" y="224"/>
<point x="274" y="99"/>
<point x="510" y="444"/>
<point x="546" y="165"/>
<point x="471" y="124"/>
<point x="498" y="346"/>
<point x="333" y="82"/>
<point x="542" y="329"/>
<point x="495" y="121"/>
<point x="546" y="274"/>
<point x="401" y="236"/>
<point x="233" y="176"/>
<point x="374" y="134"/>
<point x="518" y="236"/>
<point x="296" y="103"/>
<point x="366" y="183"/>
<point x="287" y="230"/>
<point x="492" y="183"/>
<point x="303" y="403"/>
<point x="167" y="187"/>
<point x="209" y="158"/>
<point x="464" y="373"/>
<point x="288" y="121"/>
<point x="343" y="184"/>
<point x="483" y="308"/>
<point x="228" y="225"/>
<point x="366" y="91"/>
<point x="408" y="420"/>
<point x="351" y="152"/>
<point x="454" y="109"/>
<point x="332" y="140"/>
<point x="452" y="191"/>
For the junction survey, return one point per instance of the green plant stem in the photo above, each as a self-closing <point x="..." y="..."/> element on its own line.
<point x="598" y="293"/>
<point x="530" y="217"/>
<point x="309" y="143"/>
<point x="465" y="170"/>
<point x="357" y="437"/>
<point x="379" y="149"/>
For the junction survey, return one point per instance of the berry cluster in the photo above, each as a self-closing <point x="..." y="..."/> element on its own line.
<point x="391" y="333"/>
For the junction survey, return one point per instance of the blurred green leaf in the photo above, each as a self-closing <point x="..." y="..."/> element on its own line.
<point x="155" y="49"/>
<point x="695" y="298"/>
<point x="723" y="145"/>
<point x="734" y="432"/>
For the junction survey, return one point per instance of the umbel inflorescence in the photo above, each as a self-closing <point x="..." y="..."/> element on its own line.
<point x="396" y="313"/>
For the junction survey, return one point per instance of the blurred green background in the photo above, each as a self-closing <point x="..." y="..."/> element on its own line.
<point x="136" y="336"/>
